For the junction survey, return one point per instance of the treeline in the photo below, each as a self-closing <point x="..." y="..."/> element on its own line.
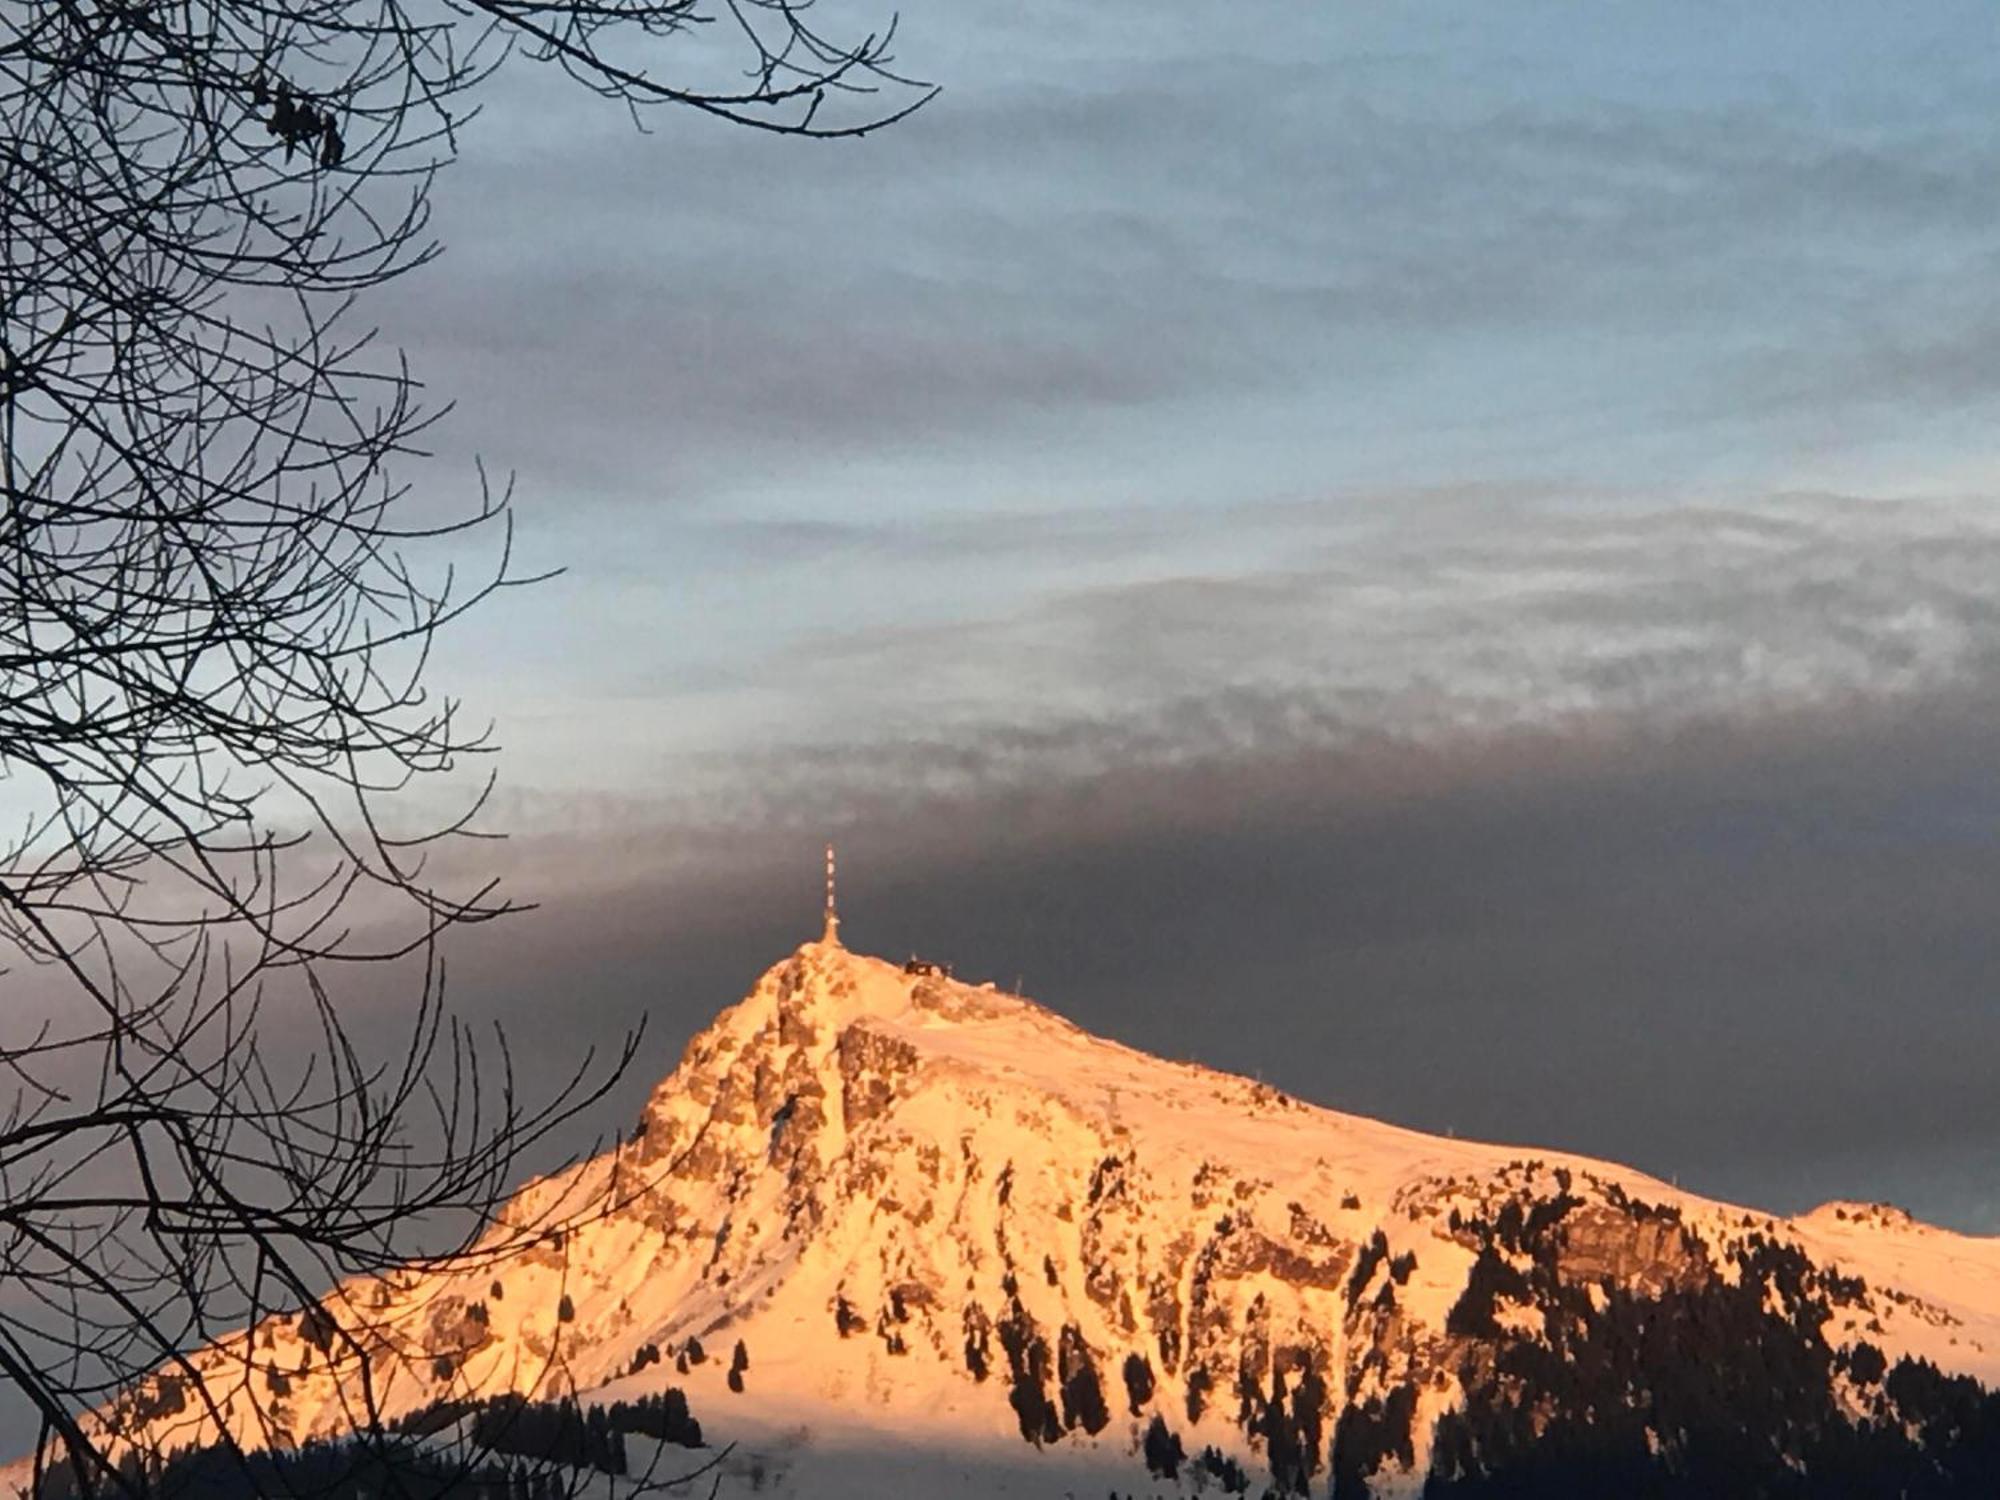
<point x="662" y="1416"/>
<point x="519" y="1450"/>
<point x="583" y="1438"/>
<point x="349" y="1469"/>
<point x="554" y="1431"/>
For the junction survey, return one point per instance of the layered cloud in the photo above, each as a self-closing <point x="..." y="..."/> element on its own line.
<point x="1439" y="620"/>
<point x="1234" y="252"/>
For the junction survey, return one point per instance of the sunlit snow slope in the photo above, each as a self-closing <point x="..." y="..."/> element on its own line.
<point x="952" y="1231"/>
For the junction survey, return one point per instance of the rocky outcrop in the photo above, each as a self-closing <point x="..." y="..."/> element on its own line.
<point x="874" y="1069"/>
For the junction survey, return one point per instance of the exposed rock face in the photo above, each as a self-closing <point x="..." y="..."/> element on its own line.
<point x="935" y="1206"/>
<point x="873" y="1068"/>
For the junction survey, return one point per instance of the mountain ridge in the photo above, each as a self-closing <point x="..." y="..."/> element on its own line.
<point x="931" y="1214"/>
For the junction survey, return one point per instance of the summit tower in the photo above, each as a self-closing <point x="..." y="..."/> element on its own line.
<point x="832" y="933"/>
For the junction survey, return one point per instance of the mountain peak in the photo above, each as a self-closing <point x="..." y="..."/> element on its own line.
<point x="816" y="992"/>
<point x="822" y="1041"/>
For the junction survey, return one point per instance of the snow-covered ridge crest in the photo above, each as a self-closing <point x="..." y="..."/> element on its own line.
<point x="939" y="1214"/>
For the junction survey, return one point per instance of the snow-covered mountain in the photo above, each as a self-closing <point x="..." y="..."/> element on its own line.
<point x="897" y="1234"/>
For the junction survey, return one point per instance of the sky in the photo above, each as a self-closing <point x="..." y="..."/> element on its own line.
<point x="1442" y="555"/>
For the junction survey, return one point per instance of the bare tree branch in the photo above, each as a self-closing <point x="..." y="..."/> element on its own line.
<point x="220" y="750"/>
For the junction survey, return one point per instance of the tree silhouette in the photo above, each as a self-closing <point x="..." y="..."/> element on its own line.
<point x="218" y="595"/>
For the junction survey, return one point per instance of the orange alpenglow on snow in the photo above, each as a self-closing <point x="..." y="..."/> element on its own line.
<point x="947" y="1227"/>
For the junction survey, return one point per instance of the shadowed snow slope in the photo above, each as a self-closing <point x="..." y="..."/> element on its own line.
<point x="958" y="1237"/>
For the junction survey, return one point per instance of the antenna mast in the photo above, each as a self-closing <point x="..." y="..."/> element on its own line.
<point x="832" y="934"/>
